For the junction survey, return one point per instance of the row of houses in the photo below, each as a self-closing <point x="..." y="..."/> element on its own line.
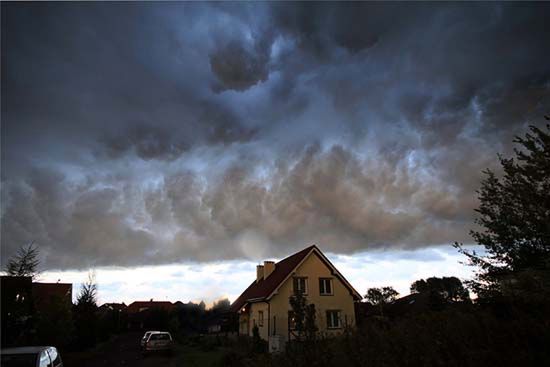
<point x="264" y="304"/>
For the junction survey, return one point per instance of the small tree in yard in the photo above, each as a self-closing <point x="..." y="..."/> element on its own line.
<point x="25" y="262"/>
<point x="304" y="317"/>
<point x="381" y="296"/>
<point x="514" y="213"/>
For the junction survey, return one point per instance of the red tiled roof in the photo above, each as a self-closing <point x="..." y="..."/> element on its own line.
<point x="135" y="307"/>
<point x="115" y="306"/>
<point x="265" y="287"/>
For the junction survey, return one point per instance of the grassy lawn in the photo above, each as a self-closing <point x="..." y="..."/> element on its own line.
<point x="190" y="355"/>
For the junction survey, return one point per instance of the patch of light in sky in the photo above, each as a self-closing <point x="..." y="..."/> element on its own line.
<point x="212" y="281"/>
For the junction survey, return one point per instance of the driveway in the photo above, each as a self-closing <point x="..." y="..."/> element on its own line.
<point x="122" y="350"/>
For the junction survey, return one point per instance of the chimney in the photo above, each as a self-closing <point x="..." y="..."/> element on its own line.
<point x="259" y="273"/>
<point x="269" y="266"/>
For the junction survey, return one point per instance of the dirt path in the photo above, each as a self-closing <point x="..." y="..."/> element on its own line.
<point x="122" y="350"/>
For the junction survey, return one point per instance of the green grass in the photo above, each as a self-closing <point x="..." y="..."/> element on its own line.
<point x="192" y="356"/>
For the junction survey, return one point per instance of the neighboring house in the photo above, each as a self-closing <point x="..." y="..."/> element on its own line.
<point x="23" y="294"/>
<point x="140" y="312"/>
<point x="120" y="307"/>
<point x="22" y="300"/>
<point x="16" y="308"/>
<point x="139" y="306"/>
<point x="44" y="294"/>
<point x="265" y="303"/>
<point x="16" y="295"/>
<point x="217" y="322"/>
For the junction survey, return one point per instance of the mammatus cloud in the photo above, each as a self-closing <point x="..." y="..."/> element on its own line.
<point x="239" y="68"/>
<point x="155" y="133"/>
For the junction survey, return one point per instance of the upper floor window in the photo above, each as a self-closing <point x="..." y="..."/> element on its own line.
<point x="333" y="319"/>
<point x="325" y="286"/>
<point x="300" y="285"/>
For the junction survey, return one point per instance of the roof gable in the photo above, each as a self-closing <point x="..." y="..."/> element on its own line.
<point x="266" y="288"/>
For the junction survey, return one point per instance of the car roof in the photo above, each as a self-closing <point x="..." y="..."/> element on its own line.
<point x="25" y="350"/>
<point x="160" y="332"/>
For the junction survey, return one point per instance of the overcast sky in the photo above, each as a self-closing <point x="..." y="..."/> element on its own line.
<point x="155" y="135"/>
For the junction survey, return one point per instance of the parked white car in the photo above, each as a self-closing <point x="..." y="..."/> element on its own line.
<point x="158" y="341"/>
<point x="145" y="338"/>
<point x="31" y="357"/>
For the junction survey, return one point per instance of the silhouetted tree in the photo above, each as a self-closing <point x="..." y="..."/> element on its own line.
<point x="85" y="315"/>
<point x="25" y="262"/>
<point x="447" y="289"/>
<point x="514" y="213"/>
<point x="381" y="296"/>
<point x="202" y="307"/>
<point x="310" y="324"/>
<point x="54" y="324"/>
<point x="221" y="305"/>
<point x="298" y="306"/>
<point x="304" y="317"/>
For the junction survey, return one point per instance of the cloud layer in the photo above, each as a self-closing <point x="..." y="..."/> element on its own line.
<point x="138" y="134"/>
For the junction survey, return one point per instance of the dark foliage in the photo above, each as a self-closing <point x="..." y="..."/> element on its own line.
<point x="25" y="262"/>
<point x="496" y="333"/>
<point x="304" y="317"/>
<point x="86" y="314"/>
<point x="54" y="324"/>
<point x="381" y="296"/>
<point x="514" y="213"/>
<point x="446" y="289"/>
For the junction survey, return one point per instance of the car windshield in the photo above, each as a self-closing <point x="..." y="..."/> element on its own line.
<point x="18" y="360"/>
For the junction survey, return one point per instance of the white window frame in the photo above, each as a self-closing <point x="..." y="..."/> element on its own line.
<point x="330" y="319"/>
<point x="322" y="290"/>
<point x="296" y="280"/>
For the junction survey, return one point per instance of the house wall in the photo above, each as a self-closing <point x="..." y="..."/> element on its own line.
<point x="313" y="268"/>
<point x="255" y="309"/>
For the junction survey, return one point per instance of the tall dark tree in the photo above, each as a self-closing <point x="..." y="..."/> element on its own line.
<point x="381" y="296"/>
<point x="85" y="315"/>
<point x="25" y="262"/>
<point x="514" y="214"/>
<point x="447" y="289"/>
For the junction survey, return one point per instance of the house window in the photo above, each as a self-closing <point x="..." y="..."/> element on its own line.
<point x="325" y="286"/>
<point x="333" y="319"/>
<point x="260" y="318"/>
<point x="291" y="320"/>
<point x="300" y="285"/>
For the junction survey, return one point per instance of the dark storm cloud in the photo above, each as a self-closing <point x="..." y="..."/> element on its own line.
<point x="238" y="68"/>
<point x="152" y="133"/>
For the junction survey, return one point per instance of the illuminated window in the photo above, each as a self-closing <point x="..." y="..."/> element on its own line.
<point x="291" y="320"/>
